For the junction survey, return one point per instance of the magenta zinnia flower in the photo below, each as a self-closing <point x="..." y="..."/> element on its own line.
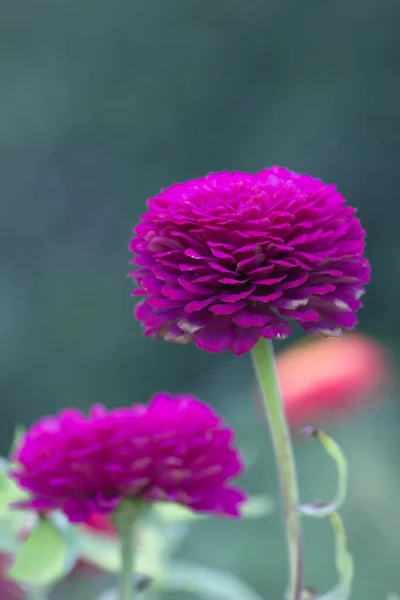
<point x="173" y="450"/>
<point x="230" y="257"/>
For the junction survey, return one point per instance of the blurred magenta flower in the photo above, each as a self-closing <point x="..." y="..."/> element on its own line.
<point x="230" y="257"/>
<point x="9" y="589"/>
<point x="322" y="379"/>
<point x="173" y="450"/>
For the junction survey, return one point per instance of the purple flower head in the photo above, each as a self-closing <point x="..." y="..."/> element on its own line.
<point x="173" y="450"/>
<point x="230" y="257"/>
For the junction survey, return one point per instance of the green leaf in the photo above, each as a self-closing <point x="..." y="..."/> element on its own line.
<point x="11" y="520"/>
<point x="105" y="552"/>
<point x="100" y="551"/>
<point x="254" y="508"/>
<point x="206" y="583"/>
<point x="9" y="491"/>
<point x="257" y="507"/>
<point x="325" y="509"/>
<point x="70" y="534"/>
<point x="43" y="559"/>
<point x="18" y="433"/>
<point x="172" y="513"/>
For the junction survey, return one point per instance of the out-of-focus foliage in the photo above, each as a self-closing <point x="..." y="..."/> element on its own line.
<point x="101" y="104"/>
<point x="37" y="553"/>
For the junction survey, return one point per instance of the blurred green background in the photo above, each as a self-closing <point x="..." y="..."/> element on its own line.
<point x="103" y="103"/>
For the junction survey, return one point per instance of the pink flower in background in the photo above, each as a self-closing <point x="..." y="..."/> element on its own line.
<point x="101" y="524"/>
<point x="231" y="257"/>
<point x="9" y="589"/>
<point x="324" y="378"/>
<point x="173" y="450"/>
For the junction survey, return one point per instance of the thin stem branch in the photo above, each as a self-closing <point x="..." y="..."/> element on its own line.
<point x="264" y="366"/>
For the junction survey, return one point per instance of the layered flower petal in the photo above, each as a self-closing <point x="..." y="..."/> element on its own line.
<point x="236" y="255"/>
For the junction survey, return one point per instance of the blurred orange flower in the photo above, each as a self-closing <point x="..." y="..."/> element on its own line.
<point x="327" y="378"/>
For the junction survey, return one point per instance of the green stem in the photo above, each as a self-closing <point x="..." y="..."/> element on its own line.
<point x="127" y="549"/>
<point x="264" y="365"/>
<point x="124" y="520"/>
